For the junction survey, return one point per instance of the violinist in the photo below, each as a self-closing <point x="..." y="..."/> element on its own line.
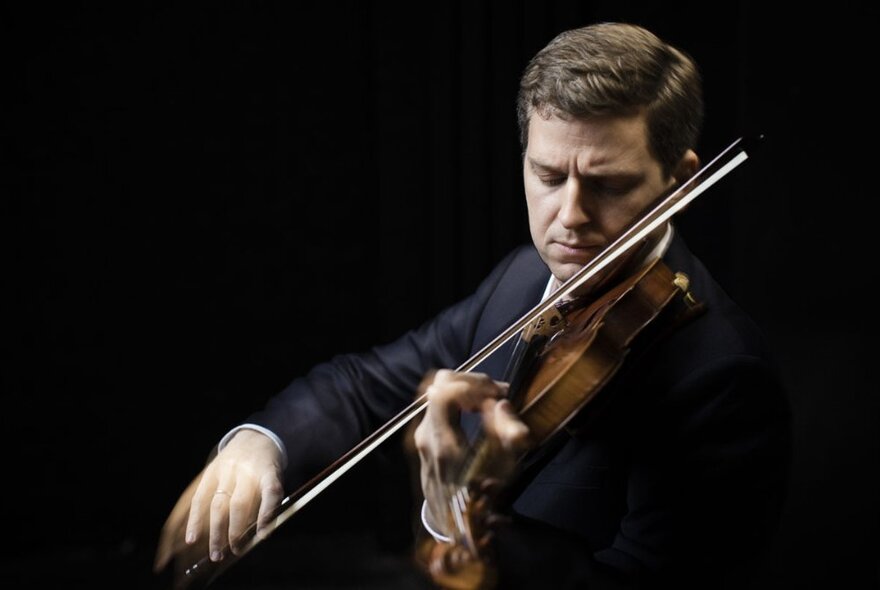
<point x="674" y="476"/>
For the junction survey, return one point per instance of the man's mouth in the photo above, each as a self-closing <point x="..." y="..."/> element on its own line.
<point x="576" y="250"/>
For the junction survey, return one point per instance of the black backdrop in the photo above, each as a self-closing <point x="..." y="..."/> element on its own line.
<point x="199" y="203"/>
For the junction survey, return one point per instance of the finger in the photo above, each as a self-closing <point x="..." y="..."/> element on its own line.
<point x="502" y="423"/>
<point x="218" y="537"/>
<point x="199" y="506"/>
<point x="174" y="529"/>
<point x="439" y="433"/>
<point x="441" y="448"/>
<point x="272" y="493"/>
<point x="439" y="442"/>
<point x="475" y="377"/>
<point x="448" y="400"/>
<point x="453" y="391"/>
<point x="241" y="509"/>
<point x="439" y="438"/>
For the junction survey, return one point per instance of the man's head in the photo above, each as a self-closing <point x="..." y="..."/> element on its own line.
<point x="609" y="115"/>
<point x="617" y="69"/>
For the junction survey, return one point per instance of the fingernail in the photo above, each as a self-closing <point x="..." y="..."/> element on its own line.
<point x="190" y="537"/>
<point x="216" y="555"/>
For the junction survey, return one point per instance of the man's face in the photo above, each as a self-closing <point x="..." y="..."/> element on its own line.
<point x="585" y="179"/>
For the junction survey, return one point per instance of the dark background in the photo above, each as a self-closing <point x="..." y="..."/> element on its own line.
<point x="200" y="203"/>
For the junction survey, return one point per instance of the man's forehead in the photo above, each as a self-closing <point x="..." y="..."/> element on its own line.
<point x="595" y="141"/>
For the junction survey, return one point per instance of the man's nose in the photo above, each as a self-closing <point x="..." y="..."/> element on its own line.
<point x="572" y="210"/>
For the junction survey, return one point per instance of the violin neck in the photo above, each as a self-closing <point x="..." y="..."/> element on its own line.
<point x="520" y="366"/>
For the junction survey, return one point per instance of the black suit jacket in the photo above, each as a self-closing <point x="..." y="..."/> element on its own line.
<point x="676" y="473"/>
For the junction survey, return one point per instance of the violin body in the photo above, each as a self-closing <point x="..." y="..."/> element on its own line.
<point x="591" y="347"/>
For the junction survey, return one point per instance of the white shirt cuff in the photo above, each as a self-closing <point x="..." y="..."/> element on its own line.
<point x="225" y="440"/>
<point x="438" y="536"/>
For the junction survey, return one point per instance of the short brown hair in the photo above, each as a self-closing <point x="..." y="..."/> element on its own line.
<point x="617" y="69"/>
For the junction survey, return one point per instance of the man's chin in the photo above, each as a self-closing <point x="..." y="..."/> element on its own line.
<point x="564" y="271"/>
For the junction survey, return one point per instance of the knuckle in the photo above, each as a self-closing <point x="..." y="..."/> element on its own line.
<point x="443" y="375"/>
<point x="274" y="487"/>
<point x="447" y="449"/>
<point x="420" y="437"/>
<point x="442" y="394"/>
<point x="434" y="392"/>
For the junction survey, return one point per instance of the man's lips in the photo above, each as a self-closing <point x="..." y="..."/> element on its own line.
<point x="576" y="253"/>
<point x="576" y="250"/>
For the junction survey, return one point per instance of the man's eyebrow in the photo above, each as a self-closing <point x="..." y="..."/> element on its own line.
<point x="536" y="165"/>
<point x="616" y="174"/>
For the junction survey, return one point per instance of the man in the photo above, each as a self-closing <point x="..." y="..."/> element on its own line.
<point x="680" y="475"/>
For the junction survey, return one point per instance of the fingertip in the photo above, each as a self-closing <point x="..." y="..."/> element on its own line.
<point x="517" y="435"/>
<point x="505" y="414"/>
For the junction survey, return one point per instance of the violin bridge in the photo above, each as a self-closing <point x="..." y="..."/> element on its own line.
<point x="546" y="324"/>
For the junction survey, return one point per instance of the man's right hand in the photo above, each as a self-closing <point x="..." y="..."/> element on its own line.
<point x="241" y="485"/>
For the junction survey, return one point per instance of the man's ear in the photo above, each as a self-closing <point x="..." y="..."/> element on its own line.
<point x="687" y="167"/>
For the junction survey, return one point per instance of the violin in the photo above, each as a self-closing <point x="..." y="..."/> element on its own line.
<point x="569" y="347"/>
